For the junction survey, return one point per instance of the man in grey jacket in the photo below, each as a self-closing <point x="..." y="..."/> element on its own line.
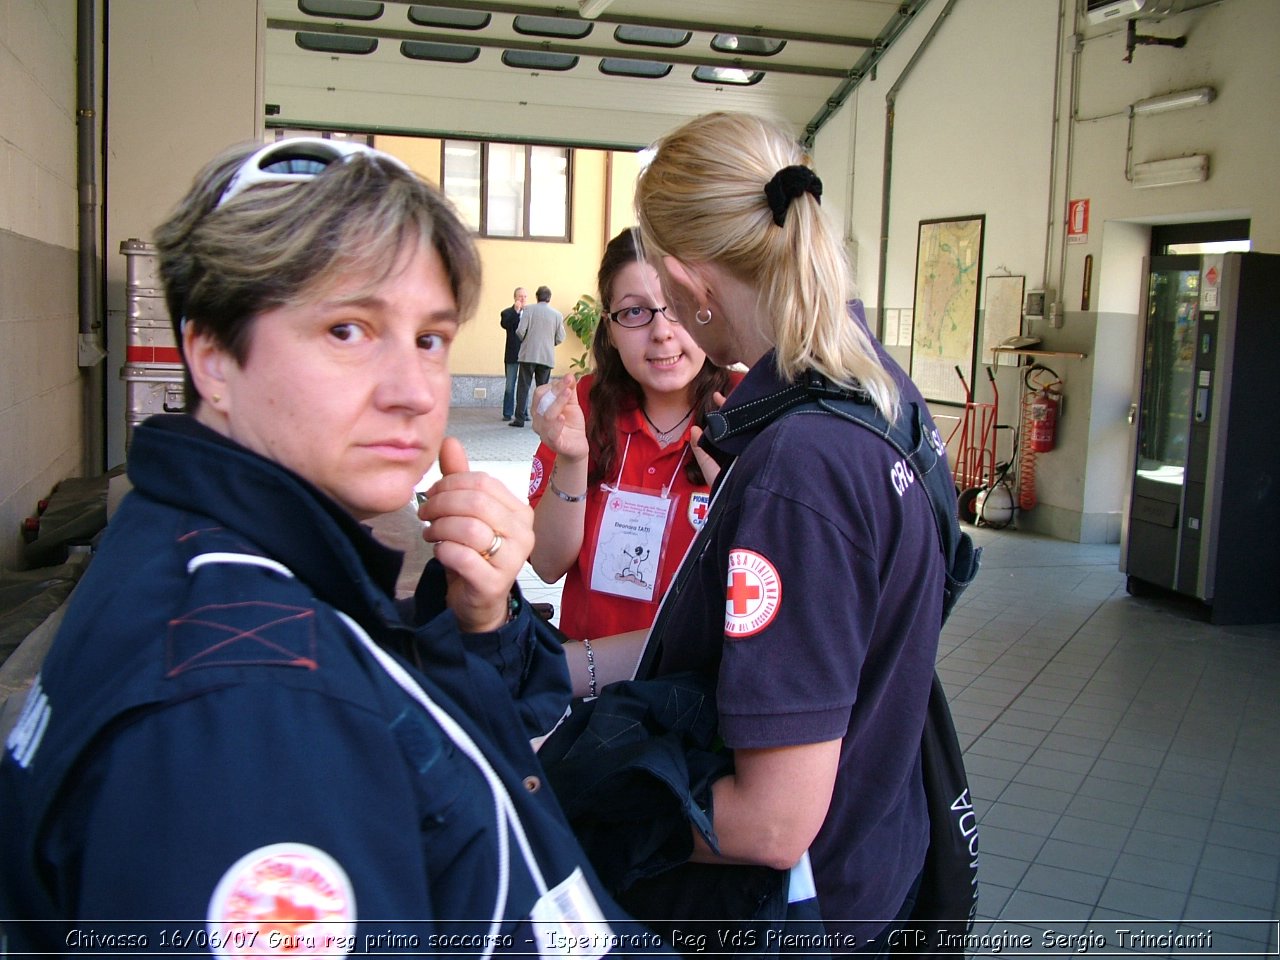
<point x="541" y="328"/>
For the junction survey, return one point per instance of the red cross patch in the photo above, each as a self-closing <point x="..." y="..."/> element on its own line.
<point x="699" y="506"/>
<point x="285" y="899"/>
<point x="753" y="594"/>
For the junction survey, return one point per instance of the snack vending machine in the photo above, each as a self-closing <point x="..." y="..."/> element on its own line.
<point x="1203" y="511"/>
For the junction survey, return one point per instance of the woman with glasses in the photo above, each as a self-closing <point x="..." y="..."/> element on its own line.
<point x="241" y="742"/>
<point x="617" y="491"/>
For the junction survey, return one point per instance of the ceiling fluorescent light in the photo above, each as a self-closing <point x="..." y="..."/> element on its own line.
<point x="590" y="9"/>
<point x="1176" y="101"/>
<point x="1168" y="173"/>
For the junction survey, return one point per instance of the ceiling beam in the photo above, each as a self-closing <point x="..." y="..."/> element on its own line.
<point x="546" y="46"/>
<point x="697" y="26"/>
<point x="865" y="66"/>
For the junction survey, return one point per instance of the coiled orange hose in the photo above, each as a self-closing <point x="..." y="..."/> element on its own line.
<point x="1026" y="457"/>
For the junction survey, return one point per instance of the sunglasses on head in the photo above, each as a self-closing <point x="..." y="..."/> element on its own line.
<point x="296" y="160"/>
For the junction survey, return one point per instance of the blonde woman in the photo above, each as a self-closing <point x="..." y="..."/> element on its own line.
<point x="816" y="604"/>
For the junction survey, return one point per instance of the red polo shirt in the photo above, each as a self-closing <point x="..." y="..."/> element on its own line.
<point x="648" y="467"/>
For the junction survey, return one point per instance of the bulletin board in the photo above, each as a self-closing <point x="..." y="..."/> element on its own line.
<point x="1001" y="318"/>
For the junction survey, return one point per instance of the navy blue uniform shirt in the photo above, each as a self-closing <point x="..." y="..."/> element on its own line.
<point x="214" y="750"/>
<point x="818" y="607"/>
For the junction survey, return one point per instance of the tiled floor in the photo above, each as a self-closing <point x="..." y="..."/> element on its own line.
<point x="1122" y="753"/>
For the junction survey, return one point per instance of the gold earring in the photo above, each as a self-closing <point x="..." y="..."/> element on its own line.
<point x="216" y="398"/>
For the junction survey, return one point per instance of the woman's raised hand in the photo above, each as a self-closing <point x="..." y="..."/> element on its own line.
<point x="558" y="418"/>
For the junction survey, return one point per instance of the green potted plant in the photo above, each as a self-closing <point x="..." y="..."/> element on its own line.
<point x="583" y="320"/>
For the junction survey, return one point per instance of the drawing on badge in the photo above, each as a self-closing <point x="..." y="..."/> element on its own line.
<point x="633" y="570"/>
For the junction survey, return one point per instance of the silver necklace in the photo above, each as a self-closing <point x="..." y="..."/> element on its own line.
<point x="666" y="437"/>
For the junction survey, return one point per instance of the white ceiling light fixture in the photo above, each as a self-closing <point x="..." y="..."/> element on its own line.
<point x="1169" y="173"/>
<point x="1181" y="100"/>
<point x="590" y="9"/>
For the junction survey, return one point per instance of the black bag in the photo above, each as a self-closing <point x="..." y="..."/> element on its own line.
<point x="633" y="770"/>
<point x="948" y="896"/>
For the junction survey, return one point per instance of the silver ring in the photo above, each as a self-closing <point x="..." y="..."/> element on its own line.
<point x="494" y="547"/>
<point x="698" y="317"/>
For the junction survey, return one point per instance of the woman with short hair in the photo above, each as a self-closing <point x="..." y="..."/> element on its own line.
<point x="238" y="725"/>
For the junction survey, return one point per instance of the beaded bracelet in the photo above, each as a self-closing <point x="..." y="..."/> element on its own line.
<point x="591" y="667"/>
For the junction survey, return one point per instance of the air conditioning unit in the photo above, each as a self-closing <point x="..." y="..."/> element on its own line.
<point x="1101" y="11"/>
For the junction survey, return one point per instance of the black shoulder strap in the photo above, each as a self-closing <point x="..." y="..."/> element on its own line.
<point x="912" y="435"/>
<point x="920" y="444"/>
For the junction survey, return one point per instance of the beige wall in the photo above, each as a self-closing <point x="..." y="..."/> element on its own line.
<point x="601" y="203"/>
<point x="977" y="135"/>
<point x="40" y="383"/>
<point x="185" y="82"/>
<point x="626" y="167"/>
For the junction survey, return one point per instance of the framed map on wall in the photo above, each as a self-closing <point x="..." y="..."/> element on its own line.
<point x="943" y="336"/>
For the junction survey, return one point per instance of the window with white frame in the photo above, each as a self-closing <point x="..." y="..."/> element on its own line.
<point x="520" y="191"/>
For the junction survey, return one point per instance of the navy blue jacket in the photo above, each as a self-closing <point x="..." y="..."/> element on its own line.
<point x="209" y="698"/>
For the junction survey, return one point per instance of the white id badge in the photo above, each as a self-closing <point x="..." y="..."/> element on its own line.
<point x="629" y="542"/>
<point x="801" y="885"/>
<point x="568" y="921"/>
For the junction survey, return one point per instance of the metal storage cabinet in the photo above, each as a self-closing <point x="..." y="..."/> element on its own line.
<point x="153" y="366"/>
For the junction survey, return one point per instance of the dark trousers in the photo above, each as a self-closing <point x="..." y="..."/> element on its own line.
<point x="509" y="393"/>
<point x="529" y="373"/>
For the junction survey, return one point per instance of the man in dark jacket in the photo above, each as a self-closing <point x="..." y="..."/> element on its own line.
<point x="511" y="354"/>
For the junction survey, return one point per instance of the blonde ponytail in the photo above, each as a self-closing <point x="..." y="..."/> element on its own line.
<point x="702" y="200"/>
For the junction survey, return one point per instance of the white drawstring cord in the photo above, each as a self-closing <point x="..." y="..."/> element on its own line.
<point x="504" y="808"/>
<point x="248" y="559"/>
<point x="503" y="805"/>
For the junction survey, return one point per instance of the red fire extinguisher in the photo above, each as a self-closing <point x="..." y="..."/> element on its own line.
<point x="1044" y="406"/>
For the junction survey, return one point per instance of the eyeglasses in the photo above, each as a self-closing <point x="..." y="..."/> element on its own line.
<point x="296" y="160"/>
<point x="639" y="316"/>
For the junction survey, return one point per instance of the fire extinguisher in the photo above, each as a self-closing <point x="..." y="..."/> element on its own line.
<point x="1044" y="402"/>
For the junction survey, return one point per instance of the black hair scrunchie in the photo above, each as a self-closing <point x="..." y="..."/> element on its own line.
<point x="787" y="184"/>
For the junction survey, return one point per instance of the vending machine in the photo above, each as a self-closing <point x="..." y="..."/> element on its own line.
<point x="1202" y="518"/>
